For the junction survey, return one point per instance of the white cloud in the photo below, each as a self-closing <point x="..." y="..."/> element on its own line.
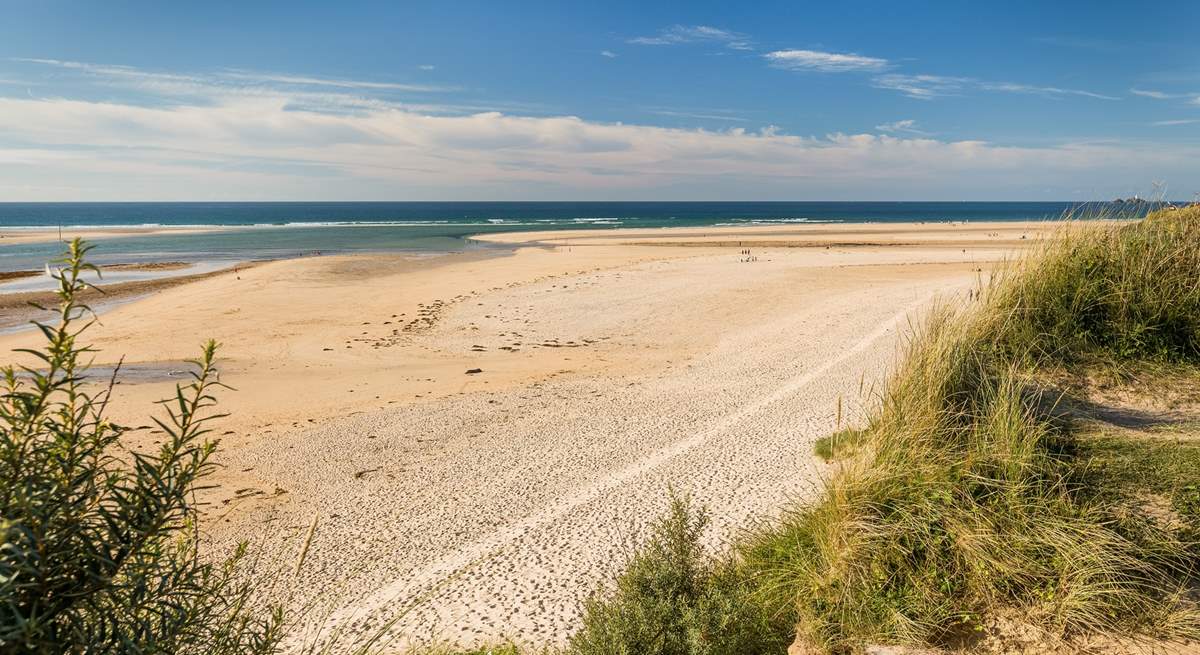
<point x="711" y="115"/>
<point x="907" y="125"/>
<point x="922" y="87"/>
<point x="608" y="53"/>
<point x="1182" y="121"/>
<point x="926" y="87"/>
<point x="1157" y="95"/>
<point x="1011" y="87"/>
<point x="1084" y="43"/>
<point x="243" y="76"/>
<point x="427" y="67"/>
<point x="275" y="78"/>
<point x="824" y="62"/>
<point x="270" y="144"/>
<point x="679" y="34"/>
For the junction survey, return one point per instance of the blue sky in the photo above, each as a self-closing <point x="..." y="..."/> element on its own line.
<point x="614" y="100"/>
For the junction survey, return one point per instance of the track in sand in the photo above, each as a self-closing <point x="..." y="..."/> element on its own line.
<point x="494" y="514"/>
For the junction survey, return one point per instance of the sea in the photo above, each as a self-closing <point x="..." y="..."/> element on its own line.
<point x="240" y="231"/>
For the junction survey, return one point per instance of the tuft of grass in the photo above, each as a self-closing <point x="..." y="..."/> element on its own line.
<point x="839" y="445"/>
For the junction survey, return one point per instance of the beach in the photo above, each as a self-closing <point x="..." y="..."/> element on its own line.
<point x="482" y="437"/>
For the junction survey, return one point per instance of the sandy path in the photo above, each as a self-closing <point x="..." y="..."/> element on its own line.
<point x="495" y="513"/>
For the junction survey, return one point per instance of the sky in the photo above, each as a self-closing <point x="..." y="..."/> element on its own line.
<point x="611" y="100"/>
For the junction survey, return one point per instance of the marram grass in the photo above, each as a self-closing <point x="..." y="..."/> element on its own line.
<point x="963" y="499"/>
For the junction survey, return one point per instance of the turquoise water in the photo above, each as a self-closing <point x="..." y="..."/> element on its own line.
<point x="258" y="230"/>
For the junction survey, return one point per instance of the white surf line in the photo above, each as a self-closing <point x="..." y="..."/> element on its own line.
<point x="425" y="583"/>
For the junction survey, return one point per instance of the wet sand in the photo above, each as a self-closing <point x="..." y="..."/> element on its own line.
<point x="611" y="364"/>
<point x="18" y="308"/>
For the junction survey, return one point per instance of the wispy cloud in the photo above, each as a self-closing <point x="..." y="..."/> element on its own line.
<point x="243" y="76"/>
<point x="301" y="80"/>
<point x="1163" y="95"/>
<point x="922" y="87"/>
<point x="709" y="116"/>
<point x="1157" y="95"/>
<point x="1011" y="87"/>
<point x="926" y="87"/>
<point x="680" y="34"/>
<point x="908" y="126"/>
<point x="1083" y="43"/>
<point x="1181" y="121"/>
<point x="427" y="67"/>
<point x="299" y="92"/>
<point x="824" y="62"/>
<point x="608" y="53"/>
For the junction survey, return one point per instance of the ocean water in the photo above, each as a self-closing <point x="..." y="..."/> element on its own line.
<point x="264" y="230"/>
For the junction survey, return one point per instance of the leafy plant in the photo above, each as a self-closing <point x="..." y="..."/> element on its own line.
<point x="99" y="549"/>
<point x="674" y="599"/>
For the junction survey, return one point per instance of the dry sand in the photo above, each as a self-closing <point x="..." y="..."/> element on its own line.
<point x="614" y="364"/>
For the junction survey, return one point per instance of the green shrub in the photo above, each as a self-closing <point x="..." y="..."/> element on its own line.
<point x="674" y="599"/>
<point x="99" y="543"/>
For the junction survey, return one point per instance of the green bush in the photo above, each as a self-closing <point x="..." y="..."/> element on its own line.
<point x="99" y="543"/>
<point x="674" y="599"/>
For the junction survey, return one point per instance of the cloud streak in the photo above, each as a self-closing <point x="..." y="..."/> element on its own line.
<point x="1011" y="87"/>
<point x="907" y="125"/>
<point x="710" y="116"/>
<point x="927" y="87"/>
<point x="681" y="34"/>
<point x="242" y="76"/>
<point x="921" y="87"/>
<point x="824" y="62"/>
<point x="1157" y="95"/>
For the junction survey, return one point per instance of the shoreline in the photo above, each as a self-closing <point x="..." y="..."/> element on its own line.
<point x="18" y="309"/>
<point x="27" y="235"/>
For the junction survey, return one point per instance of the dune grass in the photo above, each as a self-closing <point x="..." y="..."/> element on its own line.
<point x="968" y="496"/>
